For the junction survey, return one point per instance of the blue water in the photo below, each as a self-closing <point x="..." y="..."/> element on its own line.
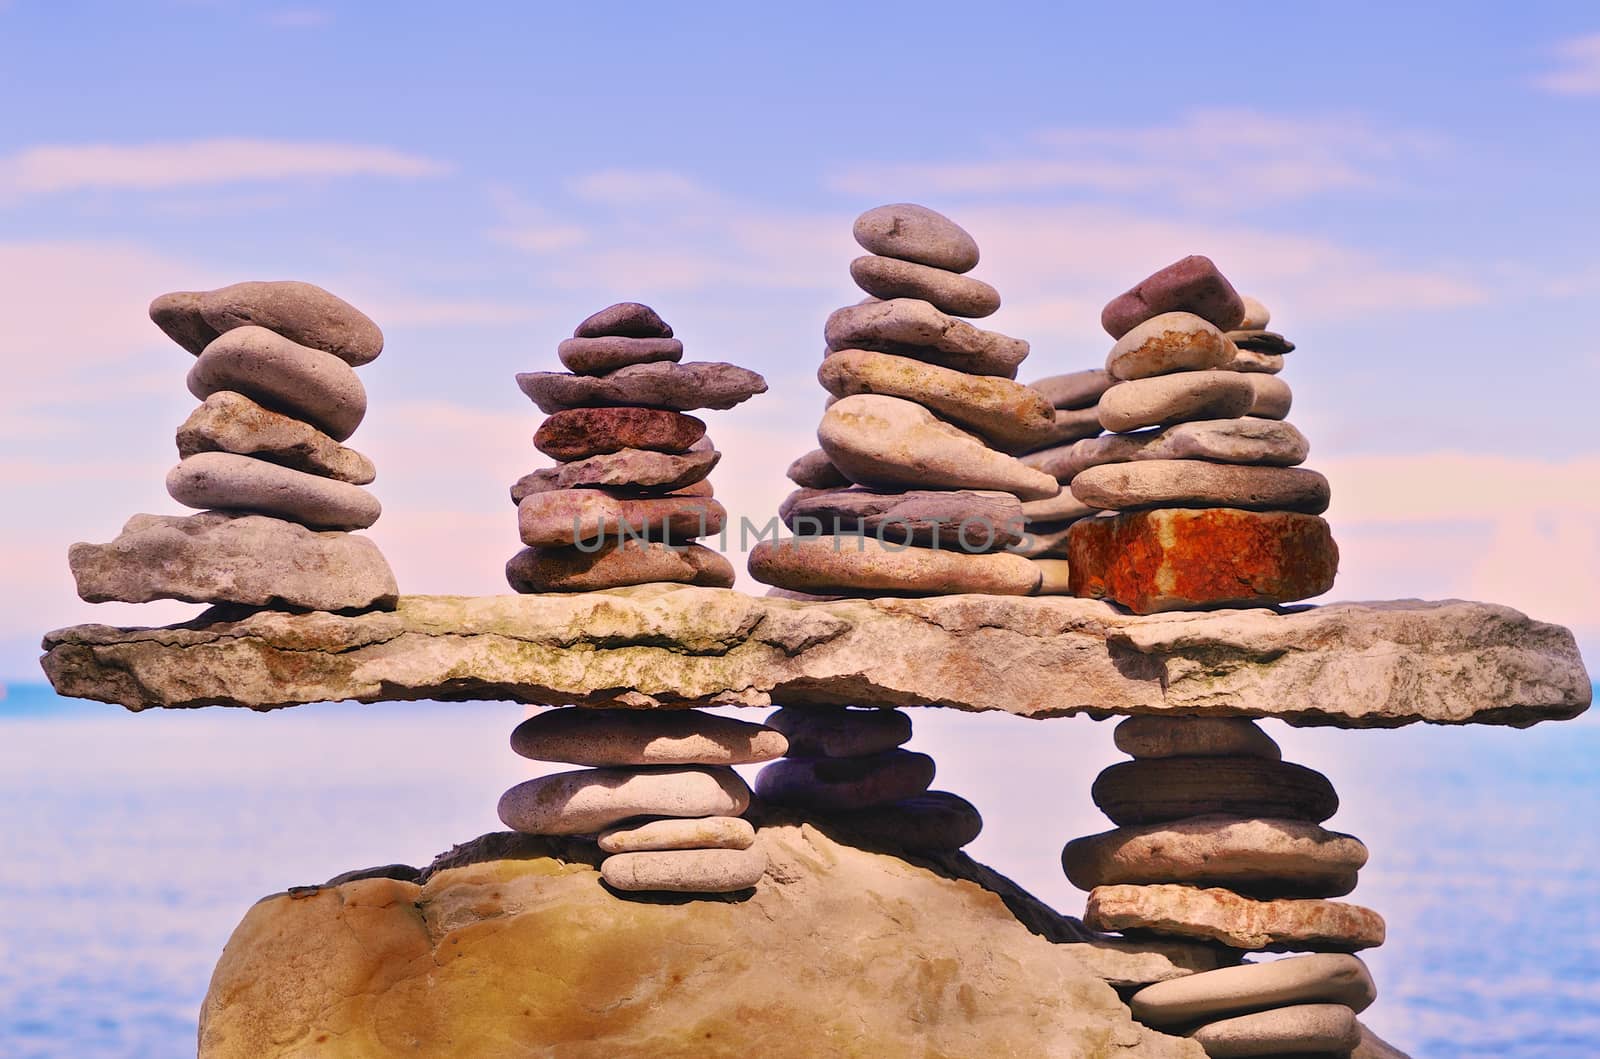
<point x="132" y="844"/>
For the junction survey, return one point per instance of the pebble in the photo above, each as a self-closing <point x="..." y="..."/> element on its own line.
<point x="1007" y="414"/>
<point x="706" y="832"/>
<point x="1259" y="856"/>
<point x="949" y="292"/>
<point x="578" y="433"/>
<point x="564" y="517"/>
<point x="1157" y="790"/>
<point x="528" y="485"/>
<point x="581" y="735"/>
<point x="1289" y="924"/>
<point x="1195" y="483"/>
<point x="1248" y="360"/>
<point x="597" y="356"/>
<point x="964" y="520"/>
<point x="862" y="566"/>
<point x="1192" y="285"/>
<point x="1273" y="397"/>
<point x="1168" y="399"/>
<point x="286" y="377"/>
<point x="624" y="319"/>
<point x="617" y="565"/>
<point x="223" y="481"/>
<point x="588" y="801"/>
<point x="636" y="469"/>
<point x="834" y="731"/>
<point x="931" y="822"/>
<point x="1318" y="978"/>
<point x="890" y="442"/>
<point x="1072" y="424"/>
<point x="1301" y="1029"/>
<point x="702" y="871"/>
<point x="799" y="496"/>
<point x="178" y="316"/>
<point x="1256" y="315"/>
<point x="1168" y="343"/>
<point x="1078" y="389"/>
<point x="913" y="328"/>
<point x="1055" y="577"/>
<point x="846" y="782"/>
<point x="916" y="233"/>
<point x="678" y="387"/>
<point x="1251" y="441"/>
<point x="1267" y="342"/>
<point x="815" y="471"/>
<point x="231" y="422"/>
<point x="1141" y="737"/>
<point x="1061" y="508"/>
<point x="301" y="312"/>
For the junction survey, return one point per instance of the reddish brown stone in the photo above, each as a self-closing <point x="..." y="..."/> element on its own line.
<point x="578" y="433"/>
<point x="1176" y="559"/>
<point x="1192" y="285"/>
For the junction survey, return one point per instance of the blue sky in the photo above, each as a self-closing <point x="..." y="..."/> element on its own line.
<point x="1411" y="191"/>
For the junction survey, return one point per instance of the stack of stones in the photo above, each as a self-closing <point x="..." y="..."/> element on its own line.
<point x="1213" y="509"/>
<point x="1076" y="398"/>
<point x="916" y="489"/>
<point x="262" y="459"/>
<point x="629" y="491"/>
<point x="1219" y="839"/>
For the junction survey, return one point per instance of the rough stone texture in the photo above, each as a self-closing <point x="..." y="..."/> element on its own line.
<point x="829" y="732"/>
<point x="846" y="782"/>
<point x="580" y="736"/>
<point x="1320" y="978"/>
<point x="1286" y="925"/>
<point x="566" y="517"/>
<point x="301" y="312"/>
<point x="703" y="871"/>
<point x="1168" y="343"/>
<point x="663" y="384"/>
<point x="1301" y="1029"/>
<point x="1257" y="442"/>
<point x="815" y="471"/>
<point x="1175" y="559"/>
<point x="963" y="520"/>
<point x="597" y="356"/>
<point x="534" y="483"/>
<point x="231" y="422"/>
<point x="1361" y="665"/>
<point x="913" y="328"/>
<point x="1166" y="399"/>
<point x="614" y="565"/>
<point x="640" y="469"/>
<point x="1196" y="483"/>
<point x="224" y="557"/>
<point x="588" y="801"/>
<point x="625" y="319"/>
<point x="296" y="380"/>
<point x="862" y="566"/>
<point x="1157" y="790"/>
<point x="1078" y="389"/>
<point x="581" y="432"/>
<point x="1009" y="415"/>
<point x="226" y="482"/>
<point x="1260" y="857"/>
<point x="915" y="233"/>
<point x="1194" y="737"/>
<point x="1248" y="360"/>
<point x="701" y="832"/>
<point x="1192" y="284"/>
<point x="949" y="292"/>
<point x="509" y="946"/>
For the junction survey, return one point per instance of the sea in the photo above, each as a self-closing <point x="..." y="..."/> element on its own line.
<point x="131" y="845"/>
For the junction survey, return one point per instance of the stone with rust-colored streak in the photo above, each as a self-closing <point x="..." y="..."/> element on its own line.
<point x="1282" y="925"/>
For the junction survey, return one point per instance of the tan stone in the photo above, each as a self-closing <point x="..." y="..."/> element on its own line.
<point x="1078" y="389"/>
<point x="1167" y="399"/>
<point x="706" y="871"/>
<point x="1256" y="315"/>
<point x="815" y="471"/>
<point x="1302" y="1029"/>
<point x="588" y="801"/>
<point x="303" y="313"/>
<point x="1154" y="790"/>
<point x="581" y="432"/>
<point x="1198" y="483"/>
<point x="296" y="380"/>
<point x="639" y="469"/>
<point x="1194" y="737"/>
<point x="1284" y="925"/>
<point x="858" y="565"/>
<point x="703" y="832"/>
<point x="614" y="565"/>
<point x="660" y="384"/>
<point x="1061" y="508"/>
<point x="1168" y="343"/>
<point x="910" y="232"/>
<point x="598" y="356"/>
<point x="232" y="422"/>
<point x="1250" y="360"/>
<point x="578" y="735"/>
<point x="1320" y="978"/>
<point x="1055" y="577"/>
<point x="565" y="517"/>
<point x="1249" y="441"/>
<point x="913" y="328"/>
<point x="1072" y="425"/>
<point x="1273" y="396"/>
<point x="949" y="292"/>
<point x="222" y="481"/>
<point x="967" y="520"/>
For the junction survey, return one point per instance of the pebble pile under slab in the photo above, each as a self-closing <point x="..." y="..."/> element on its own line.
<point x="263" y="460"/>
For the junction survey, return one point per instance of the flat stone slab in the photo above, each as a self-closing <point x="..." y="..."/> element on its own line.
<point x="1354" y="665"/>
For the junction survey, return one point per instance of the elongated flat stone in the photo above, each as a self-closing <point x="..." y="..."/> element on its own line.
<point x="231" y="422"/>
<point x="1078" y="389"/>
<point x="567" y="517"/>
<point x="581" y="736"/>
<point x="612" y="565"/>
<point x="597" y="356"/>
<point x="1059" y="509"/>
<point x="961" y="520"/>
<point x="222" y="481"/>
<point x="1168" y="343"/>
<point x="590" y="800"/>
<point x="1269" y="343"/>
<point x="931" y="822"/>
<point x="1301" y="1029"/>
<point x="1286" y="925"/>
<point x="1157" y="790"/>
<point x="704" y="832"/>
<point x="578" y="433"/>
<point x="296" y="380"/>
<point x="1319" y="978"/>
<point x="826" y="731"/>
<point x="1071" y="425"/>
<point x="1192" y="284"/>
<point x="678" y="387"/>
<point x="301" y="312"/>
<point x="1194" y="737"/>
<point x="846" y="782"/>
<point x="949" y="292"/>
<point x="864" y="566"/>
<point x="915" y="233"/>
<point x="700" y="871"/>
<point x="1167" y="399"/>
<point x="1249" y="441"/>
<point x="913" y="328"/>
<point x="1196" y="483"/>
<point x="626" y="319"/>
<point x="632" y="469"/>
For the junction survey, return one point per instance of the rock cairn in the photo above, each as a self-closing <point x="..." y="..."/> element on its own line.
<point x="1075" y="398"/>
<point x="263" y="460"/>
<point x="1212" y="506"/>
<point x="626" y="500"/>
<point x="1219" y="839"/>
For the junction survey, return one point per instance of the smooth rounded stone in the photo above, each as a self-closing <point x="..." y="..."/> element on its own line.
<point x="624" y="319"/>
<point x="663" y="384"/>
<point x="588" y="801"/>
<point x="1267" y="342"/>
<point x="1248" y="440"/>
<point x="530" y="484"/>
<point x="1061" y="508"/>
<point x="913" y="328"/>
<point x="705" y="832"/>
<point x="1192" y="284"/>
<point x="1078" y="389"/>
<point x="223" y="481"/>
<point x="286" y="377"/>
<point x="845" y="782"/>
<point x="303" y="313"/>
<point x="617" y="565"/>
<point x="1301" y="1029"/>
<point x="1182" y="559"/>
<point x="1141" y="737"/>
<point x="1168" y="343"/>
<point x="1167" y="399"/>
<point x="1007" y="414"/>
<point x="231" y="422"/>
<point x="1158" y="790"/>
<point x="178" y="316"/>
<point x="1071" y="424"/>
<point x="1318" y="978"/>
<point x="829" y="731"/>
<point x="578" y="433"/>
<point x="862" y="566"/>
<point x="638" y="469"/>
<point x="1256" y="315"/>
<point x="949" y="292"/>
<point x="227" y="557"/>
<point x="1055" y="577"/>
<point x="1248" y="360"/>
<point x="597" y="356"/>
<point x="1196" y="483"/>
<point x="1282" y="925"/>
<point x="890" y="442"/>
<point x="1273" y="396"/>
<point x="566" y="517"/>
<point x="580" y="735"/>
<point x="931" y="822"/>
<point x="1045" y="540"/>
<point x="694" y="871"/>
<point x="815" y="471"/>
<point x="1255" y="856"/>
<point x="799" y="496"/>
<point x="915" y="233"/>
<point x="963" y="520"/>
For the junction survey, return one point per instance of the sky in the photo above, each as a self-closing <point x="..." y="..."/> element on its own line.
<point x="1410" y="189"/>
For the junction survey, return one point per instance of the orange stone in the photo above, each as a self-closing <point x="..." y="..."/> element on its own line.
<point x="1183" y="559"/>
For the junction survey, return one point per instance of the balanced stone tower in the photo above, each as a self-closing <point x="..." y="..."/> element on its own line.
<point x="262" y="458"/>
<point x="1075" y="397"/>
<point x="626" y="500"/>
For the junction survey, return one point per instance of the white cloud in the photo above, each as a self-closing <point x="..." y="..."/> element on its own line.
<point x="1579" y="71"/>
<point x="630" y="187"/>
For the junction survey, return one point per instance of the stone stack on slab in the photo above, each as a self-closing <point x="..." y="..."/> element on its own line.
<point x="1213" y="507"/>
<point x="263" y="460"/>
<point x="1075" y="397"/>
<point x="1218" y="839"/>
<point x="629" y="493"/>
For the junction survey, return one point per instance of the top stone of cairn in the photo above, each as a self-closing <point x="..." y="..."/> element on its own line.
<point x="916" y="233"/>
<point x="624" y="320"/>
<point x="1192" y="285"/>
<point x="301" y="312"/>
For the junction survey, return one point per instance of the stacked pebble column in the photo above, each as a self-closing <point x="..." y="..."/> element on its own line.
<point x="1076" y="398"/>
<point x="1218" y="839"/>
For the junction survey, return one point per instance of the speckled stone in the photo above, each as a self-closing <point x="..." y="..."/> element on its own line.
<point x="1318" y="978"/>
<point x="1192" y="284"/>
<point x="663" y="384"/>
<point x="916" y="233"/>
<point x="949" y="292"/>
<point x="637" y="469"/>
<point x="912" y="328"/>
<point x="1301" y="1029"/>
<point x="578" y="433"/>
<point x="1200" y="484"/>
<point x="588" y="801"/>
<point x="279" y="374"/>
<point x="302" y="313"/>
<point x="1168" y="343"/>
<point x="616" y="565"/>
<point x="223" y="481"/>
<point x="231" y="422"/>
<point x="1247" y="440"/>
<point x="1167" y="399"/>
<point x="705" y="832"/>
<point x="703" y="871"/>
<point x="1078" y="389"/>
<point x="566" y="517"/>
<point x="1289" y="924"/>
<point x="580" y="735"/>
